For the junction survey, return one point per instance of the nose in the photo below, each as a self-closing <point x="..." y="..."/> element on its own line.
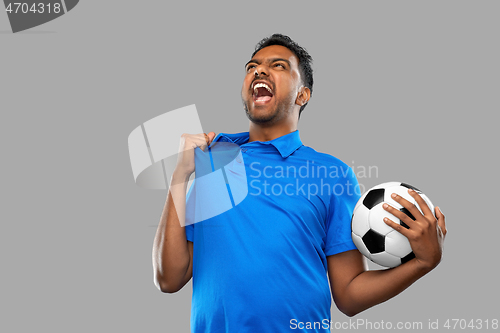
<point x="260" y="70"/>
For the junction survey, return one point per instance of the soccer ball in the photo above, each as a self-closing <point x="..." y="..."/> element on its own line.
<point x="376" y="240"/>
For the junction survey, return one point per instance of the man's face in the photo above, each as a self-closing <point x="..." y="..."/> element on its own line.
<point x="271" y="84"/>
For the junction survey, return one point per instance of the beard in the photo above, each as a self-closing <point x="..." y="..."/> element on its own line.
<point x="260" y="118"/>
<point x="279" y="112"/>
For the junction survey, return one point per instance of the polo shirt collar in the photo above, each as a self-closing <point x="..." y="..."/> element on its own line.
<point x="285" y="144"/>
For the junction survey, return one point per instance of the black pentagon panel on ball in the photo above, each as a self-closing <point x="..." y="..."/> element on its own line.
<point x="374" y="241"/>
<point x="404" y="210"/>
<point x="408" y="257"/>
<point x="373" y="198"/>
<point x="412" y="187"/>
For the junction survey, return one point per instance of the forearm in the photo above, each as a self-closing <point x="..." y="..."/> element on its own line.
<point x="171" y="258"/>
<point x="374" y="287"/>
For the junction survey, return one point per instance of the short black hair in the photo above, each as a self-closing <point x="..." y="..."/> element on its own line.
<point x="305" y="60"/>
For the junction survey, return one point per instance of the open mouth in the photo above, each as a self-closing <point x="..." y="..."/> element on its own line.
<point x="262" y="93"/>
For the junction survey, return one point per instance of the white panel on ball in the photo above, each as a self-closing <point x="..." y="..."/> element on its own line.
<point x="377" y="223"/>
<point x="397" y="244"/>
<point x="386" y="259"/>
<point x="361" y="226"/>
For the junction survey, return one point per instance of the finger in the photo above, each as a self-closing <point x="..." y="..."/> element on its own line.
<point x="421" y="203"/>
<point x="211" y="136"/>
<point x="191" y="141"/>
<point x="204" y="145"/>
<point x="441" y="220"/>
<point x="407" y="220"/>
<point x="200" y="141"/>
<point x="408" y="205"/>
<point x="398" y="227"/>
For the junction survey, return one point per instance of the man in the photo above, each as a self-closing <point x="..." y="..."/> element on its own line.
<point x="264" y="266"/>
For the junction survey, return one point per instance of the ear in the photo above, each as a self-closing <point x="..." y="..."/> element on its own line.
<point x="303" y="96"/>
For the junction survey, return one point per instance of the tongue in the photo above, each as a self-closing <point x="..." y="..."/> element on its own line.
<point x="263" y="98"/>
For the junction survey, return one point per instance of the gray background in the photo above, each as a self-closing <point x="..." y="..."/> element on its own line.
<point x="408" y="87"/>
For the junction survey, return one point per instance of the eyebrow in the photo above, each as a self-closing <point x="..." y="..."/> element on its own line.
<point x="258" y="62"/>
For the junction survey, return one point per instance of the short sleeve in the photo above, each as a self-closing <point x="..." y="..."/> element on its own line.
<point x="190" y="232"/>
<point x="345" y="194"/>
<point x="189" y="228"/>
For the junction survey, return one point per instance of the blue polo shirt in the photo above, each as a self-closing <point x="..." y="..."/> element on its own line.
<point x="261" y="265"/>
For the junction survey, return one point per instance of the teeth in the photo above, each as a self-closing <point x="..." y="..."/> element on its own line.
<point x="261" y="85"/>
